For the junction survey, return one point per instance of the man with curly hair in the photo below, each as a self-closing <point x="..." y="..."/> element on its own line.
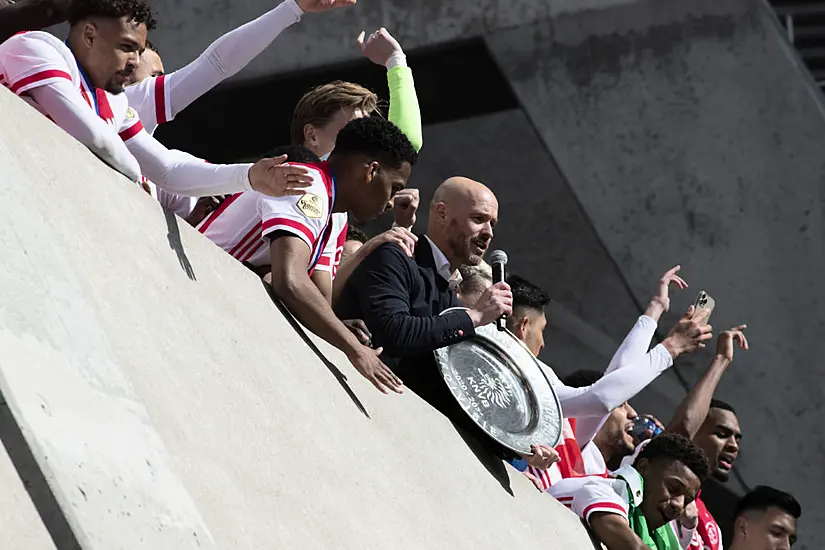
<point x="78" y="84"/>
<point x="371" y="162"/>
<point x="158" y="97"/>
<point x="632" y="509"/>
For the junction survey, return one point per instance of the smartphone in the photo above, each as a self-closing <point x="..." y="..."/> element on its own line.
<point x="704" y="305"/>
<point x="641" y="425"/>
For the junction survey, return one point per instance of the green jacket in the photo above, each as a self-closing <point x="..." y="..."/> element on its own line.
<point x="662" y="538"/>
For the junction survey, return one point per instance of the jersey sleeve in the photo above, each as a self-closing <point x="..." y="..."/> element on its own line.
<point x="598" y="495"/>
<point x="305" y="216"/>
<point x="150" y="100"/>
<point x="335" y="247"/>
<point x="28" y="61"/>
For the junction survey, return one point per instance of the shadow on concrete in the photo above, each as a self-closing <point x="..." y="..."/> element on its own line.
<point x="494" y="465"/>
<point x="175" y="244"/>
<point x="336" y="372"/>
<point x="35" y="482"/>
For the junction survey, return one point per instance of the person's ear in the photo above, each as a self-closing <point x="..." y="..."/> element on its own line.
<point x="740" y="528"/>
<point x="522" y="326"/>
<point x="310" y="136"/>
<point x="373" y="169"/>
<point x="89" y="34"/>
<point x="441" y="211"/>
<point x="642" y="466"/>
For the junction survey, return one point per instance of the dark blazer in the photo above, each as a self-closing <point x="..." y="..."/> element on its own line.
<point x="399" y="299"/>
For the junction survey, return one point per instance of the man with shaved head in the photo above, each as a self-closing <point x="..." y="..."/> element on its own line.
<point x="401" y="298"/>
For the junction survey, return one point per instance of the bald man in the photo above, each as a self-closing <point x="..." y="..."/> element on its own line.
<point x="400" y="298"/>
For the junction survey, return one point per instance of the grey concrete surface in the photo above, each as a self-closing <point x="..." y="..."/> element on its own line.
<point x="186" y="28"/>
<point x="62" y="380"/>
<point x="20" y="526"/>
<point x="126" y="336"/>
<point x="690" y="133"/>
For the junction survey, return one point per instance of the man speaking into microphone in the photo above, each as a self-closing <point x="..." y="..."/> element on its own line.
<point x="400" y="298"/>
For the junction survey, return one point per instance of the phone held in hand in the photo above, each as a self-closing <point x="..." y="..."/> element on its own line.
<point x="703" y="306"/>
<point x="641" y="425"/>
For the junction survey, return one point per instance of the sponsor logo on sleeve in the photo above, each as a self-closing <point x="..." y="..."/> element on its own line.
<point x="310" y="205"/>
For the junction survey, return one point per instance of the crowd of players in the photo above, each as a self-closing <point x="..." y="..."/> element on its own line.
<point x="380" y="300"/>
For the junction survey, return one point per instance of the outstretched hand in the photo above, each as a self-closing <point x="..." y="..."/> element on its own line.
<point x="726" y="340"/>
<point x="660" y="301"/>
<point x="272" y="177"/>
<point x="366" y="361"/>
<point x="319" y="6"/>
<point x="543" y="456"/>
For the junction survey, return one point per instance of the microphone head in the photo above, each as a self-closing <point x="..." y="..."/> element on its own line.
<point x="498" y="257"/>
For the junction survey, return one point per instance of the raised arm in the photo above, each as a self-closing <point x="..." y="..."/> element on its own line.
<point x="62" y="102"/>
<point x="182" y="174"/>
<point x="289" y="256"/>
<point x="695" y="406"/>
<point x="382" y="49"/>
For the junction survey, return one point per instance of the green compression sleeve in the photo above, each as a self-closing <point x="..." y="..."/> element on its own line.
<point x="404" y="110"/>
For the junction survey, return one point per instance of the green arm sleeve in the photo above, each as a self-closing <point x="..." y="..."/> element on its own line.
<point x="404" y="111"/>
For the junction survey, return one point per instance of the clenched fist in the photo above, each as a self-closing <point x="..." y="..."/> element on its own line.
<point x="495" y="302"/>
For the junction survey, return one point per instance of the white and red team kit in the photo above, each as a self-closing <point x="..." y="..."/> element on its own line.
<point x="241" y="224"/>
<point x="33" y="59"/>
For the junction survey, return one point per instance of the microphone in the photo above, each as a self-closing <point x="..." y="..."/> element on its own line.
<point x="498" y="259"/>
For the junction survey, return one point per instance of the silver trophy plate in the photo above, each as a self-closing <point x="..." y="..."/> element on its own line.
<point x="499" y="383"/>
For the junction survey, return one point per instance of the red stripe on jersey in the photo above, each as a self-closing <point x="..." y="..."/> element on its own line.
<point x="214" y="216"/>
<point x="246" y="241"/>
<point x="293" y="224"/>
<point x="37" y="77"/>
<point x="324" y="261"/>
<point x="160" y="99"/>
<point x="86" y="96"/>
<point x="104" y="110"/>
<point x="253" y="250"/>
<point x="132" y="131"/>
<point x="605" y="506"/>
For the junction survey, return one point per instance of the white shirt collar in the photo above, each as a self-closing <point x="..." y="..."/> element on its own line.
<point x="633" y="479"/>
<point x="442" y="265"/>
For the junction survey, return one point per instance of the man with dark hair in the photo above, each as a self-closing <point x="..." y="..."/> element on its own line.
<point x="528" y="320"/>
<point x="766" y="519"/>
<point x="613" y="441"/>
<point x="713" y="426"/>
<point x="371" y="162"/>
<point x="318" y="117"/>
<point x="157" y="97"/>
<point x="30" y="15"/>
<point x="632" y="509"/>
<point x="78" y="85"/>
<point x="631" y="369"/>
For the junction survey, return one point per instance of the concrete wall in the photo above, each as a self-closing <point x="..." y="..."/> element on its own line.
<point x="167" y="403"/>
<point x="690" y="133"/>
<point x="186" y="28"/>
